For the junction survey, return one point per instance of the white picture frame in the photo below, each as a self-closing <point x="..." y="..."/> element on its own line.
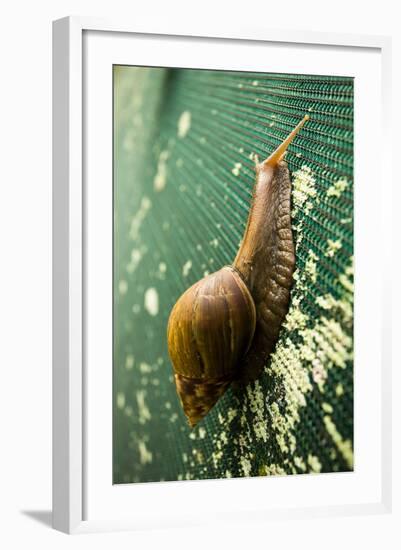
<point x="76" y="479"/>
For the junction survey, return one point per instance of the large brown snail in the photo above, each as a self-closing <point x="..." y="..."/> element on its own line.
<point x="225" y="326"/>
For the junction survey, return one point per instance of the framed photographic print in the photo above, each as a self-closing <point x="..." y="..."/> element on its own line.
<point x="216" y="203"/>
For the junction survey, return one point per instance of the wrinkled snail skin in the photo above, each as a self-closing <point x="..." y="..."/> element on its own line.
<point x="266" y="261"/>
<point x="224" y="327"/>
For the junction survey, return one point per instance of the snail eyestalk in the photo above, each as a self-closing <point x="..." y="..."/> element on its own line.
<point x="279" y="153"/>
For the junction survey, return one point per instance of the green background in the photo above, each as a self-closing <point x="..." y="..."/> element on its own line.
<point x="184" y="148"/>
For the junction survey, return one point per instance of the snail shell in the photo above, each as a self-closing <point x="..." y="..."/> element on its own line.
<point x="210" y="329"/>
<point x="224" y="327"/>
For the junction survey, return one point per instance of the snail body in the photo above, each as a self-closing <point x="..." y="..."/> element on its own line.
<point x="224" y="327"/>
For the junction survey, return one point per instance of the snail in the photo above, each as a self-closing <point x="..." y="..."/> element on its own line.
<point x="225" y="326"/>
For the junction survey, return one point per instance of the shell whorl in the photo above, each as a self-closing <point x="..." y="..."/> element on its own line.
<point x="209" y="331"/>
<point x="199" y="396"/>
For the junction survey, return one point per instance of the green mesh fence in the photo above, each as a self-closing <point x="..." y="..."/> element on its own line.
<point x="184" y="147"/>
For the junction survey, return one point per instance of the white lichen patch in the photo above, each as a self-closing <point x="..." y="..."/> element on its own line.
<point x="332" y="247"/>
<point x="255" y="83"/>
<point x="346" y="282"/>
<point x="311" y="266"/>
<point x="129" y="361"/>
<point x="122" y="287"/>
<point x="202" y="433"/>
<point x="244" y="440"/>
<point x="256" y="403"/>
<point x="254" y="157"/>
<point x="198" y="456"/>
<point x="128" y="411"/>
<point x="319" y="373"/>
<point x="216" y="457"/>
<point x="231" y="414"/>
<point x="287" y="359"/>
<point x="184" y="124"/>
<point x="145" y="368"/>
<point x="327" y="408"/>
<point x="335" y="342"/>
<point x="186" y="268"/>
<point x="314" y="464"/>
<point x="344" y="446"/>
<point x="138" y="218"/>
<point x="214" y="242"/>
<point x="282" y="426"/>
<point x="339" y="390"/>
<point x="236" y="169"/>
<point x="120" y="400"/>
<point x="145" y="456"/>
<point x="326" y="345"/>
<point x="295" y="319"/>
<point x="300" y="463"/>
<point x="151" y="301"/>
<point x="160" y="179"/>
<point x="341" y="307"/>
<point x="286" y="364"/>
<point x="338" y="187"/>
<point x="326" y="301"/>
<point x="129" y="141"/>
<point x="136" y="257"/>
<point x="246" y="466"/>
<point x="271" y="470"/>
<point x="304" y="189"/>
<point x="143" y="410"/>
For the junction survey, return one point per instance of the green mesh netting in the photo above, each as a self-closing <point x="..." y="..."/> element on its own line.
<point x="184" y="146"/>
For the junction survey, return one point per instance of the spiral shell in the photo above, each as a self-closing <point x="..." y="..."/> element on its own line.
<point x="209" y="331"/>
